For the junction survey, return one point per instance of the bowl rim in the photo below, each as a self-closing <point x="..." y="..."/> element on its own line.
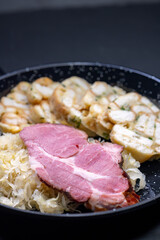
<point x="93" y="215"/>
<point x="92" y="64"/>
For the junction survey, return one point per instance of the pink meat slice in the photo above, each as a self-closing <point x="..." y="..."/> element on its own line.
<point x="57" y="140"/>
<point x="90" y="172"/>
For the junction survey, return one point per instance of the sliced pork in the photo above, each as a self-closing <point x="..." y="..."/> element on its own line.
<point x="89" y="172"/>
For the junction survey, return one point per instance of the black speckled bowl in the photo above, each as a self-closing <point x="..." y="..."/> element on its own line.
<point x="115" y="75"/>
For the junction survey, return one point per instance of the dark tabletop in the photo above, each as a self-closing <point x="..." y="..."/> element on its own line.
<point x="125" y="35"/>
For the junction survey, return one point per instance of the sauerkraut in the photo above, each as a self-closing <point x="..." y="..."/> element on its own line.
<point x="131" y="167"/>
<point x="20" y="187"/>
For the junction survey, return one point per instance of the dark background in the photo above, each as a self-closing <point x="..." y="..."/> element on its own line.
<point x="127" y="35"/>
<point x="123" y="35"/>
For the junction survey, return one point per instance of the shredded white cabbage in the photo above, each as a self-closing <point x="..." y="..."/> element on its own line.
<point x="20" y="187"/>
<point x="130" y="166"/>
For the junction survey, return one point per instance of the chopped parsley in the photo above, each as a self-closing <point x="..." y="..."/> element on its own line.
<point x="77" y="85"/>
<point x="137" y="117"/>
<point x="76" y="121"/>
<point x="105" y="135"/>
<point x="115" y="92"/>
<point x="125" y="107"/>
<point x="63" y="85"/>
<point x="98" y="97"/>
<point x="137" y="136"/>
<point x="42" y="118"/>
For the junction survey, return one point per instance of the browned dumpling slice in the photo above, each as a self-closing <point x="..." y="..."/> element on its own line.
<point x="120" y="111"/>
<point x="41" y="89"/>
<point x="41" y="113"/>
<point x="140" y="147"/>
<point x="97" y="120"/>
<point x="127" y="108"/>
<point x="136" y="126"/>
<point x="66" y="99"/>
<point x="79" y="85"/>
<point x="14" y="115"/>
<point x="94" y="107"/>
<point x="27" y="103"/>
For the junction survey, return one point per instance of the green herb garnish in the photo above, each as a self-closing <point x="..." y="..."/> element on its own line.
<point x="98" y="97"/>
<point x="105" y="135"/>
<point x="125" y="107"/>
<point x="63" y="85"/>
<point x="137" y="118"/>
<point x="76" y="121"/>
